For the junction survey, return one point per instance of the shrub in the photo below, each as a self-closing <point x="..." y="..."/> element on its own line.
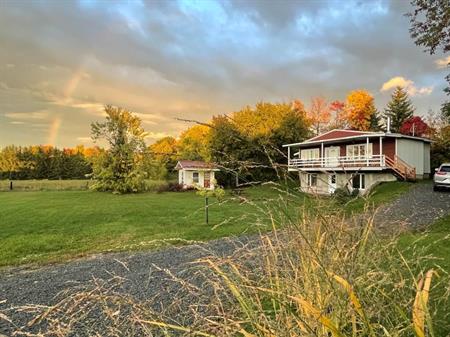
<point x="343" y="195"/>
<point x="173" y="187"/>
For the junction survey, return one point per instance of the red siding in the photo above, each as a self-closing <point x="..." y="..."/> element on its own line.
<point x="389" y="147"/>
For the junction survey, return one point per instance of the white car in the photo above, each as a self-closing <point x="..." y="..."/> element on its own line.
<point x="442" y="177"/>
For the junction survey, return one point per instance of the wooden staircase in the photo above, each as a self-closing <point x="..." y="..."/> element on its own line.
<point x="401" y="169"/>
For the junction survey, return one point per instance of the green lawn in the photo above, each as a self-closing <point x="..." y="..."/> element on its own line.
<point x="53" y="226"/>
<point x="435" y="245"/>
<point x="48" y="226"/>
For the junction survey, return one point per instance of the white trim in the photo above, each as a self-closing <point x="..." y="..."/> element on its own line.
<point x="368" y="134"/>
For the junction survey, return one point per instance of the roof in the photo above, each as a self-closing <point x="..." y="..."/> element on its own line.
<point x="195" y="164"/>
<point x="338" y="135"/>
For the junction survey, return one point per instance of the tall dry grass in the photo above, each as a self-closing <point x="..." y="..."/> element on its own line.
<point x="316" y="276"/>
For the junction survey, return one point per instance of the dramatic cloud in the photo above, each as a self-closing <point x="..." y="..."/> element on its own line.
<point x="167" y="60"/>
<point x="412" y="90"/>
<point x="443" y="62"/>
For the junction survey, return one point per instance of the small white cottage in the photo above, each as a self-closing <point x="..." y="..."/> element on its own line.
<point x="196" y="173"/>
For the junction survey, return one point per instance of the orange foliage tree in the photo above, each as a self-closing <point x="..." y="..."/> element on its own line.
<point x="319" y="114"/>
<point x="339" y="117"/>
<point x="193" y="143"/>
<point x="359" y="109"/>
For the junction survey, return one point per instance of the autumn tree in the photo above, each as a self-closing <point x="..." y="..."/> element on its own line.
<point x="165" y="150"/>
<point x="338" y="115"/>
<point x="359" y="109"/>
<point x="120" y="168"/>
<point x="399" y="108"/>
<point x="10" y="161"/>
<point x="250" y="141"/>
<point x="319" y="114"/>
<point x="414" y="126"/>
<point x="193" y="143"/>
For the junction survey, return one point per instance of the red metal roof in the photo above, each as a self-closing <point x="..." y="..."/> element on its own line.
<point x="335" y="134"/>
<point x="194" y="164"/>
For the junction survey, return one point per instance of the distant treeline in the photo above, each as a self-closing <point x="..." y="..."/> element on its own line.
<point x="46" y="162"/>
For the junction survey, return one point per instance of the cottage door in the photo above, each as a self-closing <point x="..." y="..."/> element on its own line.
<point x="331" y="155"/>
<point x="207" y="180"/>
<point x="331" y="183"/>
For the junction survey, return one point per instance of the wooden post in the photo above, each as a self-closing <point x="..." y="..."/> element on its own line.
<point x="289" y="157"/>
<point x="322" y="154"/>
<point x="381" y="151"/>
<point x="206" y="210"/>
<point x="10" y="185"/>
<point x="367" y="151"/>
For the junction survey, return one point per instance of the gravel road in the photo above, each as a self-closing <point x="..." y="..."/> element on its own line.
<point x="143" y="274"/>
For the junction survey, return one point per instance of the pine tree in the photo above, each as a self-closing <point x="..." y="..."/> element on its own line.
<point x="374" y="122"/>
<point x="399" y="108"/>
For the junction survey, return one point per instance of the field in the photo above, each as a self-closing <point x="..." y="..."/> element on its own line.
<point x="50" y="226"/>
<point x="59" y="185"/>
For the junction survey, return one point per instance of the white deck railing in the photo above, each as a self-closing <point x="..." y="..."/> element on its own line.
<point x="323" y="162"/>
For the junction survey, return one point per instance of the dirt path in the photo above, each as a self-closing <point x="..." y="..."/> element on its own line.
<point x="143" y="277"/>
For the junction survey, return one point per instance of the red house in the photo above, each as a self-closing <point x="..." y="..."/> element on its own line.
<point x="357" y="159"/>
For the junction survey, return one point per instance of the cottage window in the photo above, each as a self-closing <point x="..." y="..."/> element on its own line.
<point x="195" y="177"/>
<point x="359" y="150"/>
<point x="359" y="182"/>
<point x="311" y="179"/>
<point x="309" y="154"/>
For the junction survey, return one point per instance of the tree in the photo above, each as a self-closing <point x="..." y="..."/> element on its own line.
<point x="399" y="108"/>
<point x="319" y="114"/>
<point x="120" y="168"/>
<point x="414" y="126"/>
<point x="10" y="161"/>
<point x="440" y="148"/>
<point x="339" y="118"/>
<point x="430" y="28"/>
<point x="193" y="143"/>
<point x="359" y="107"/>
<point x="165" y="151"/>
<point x="375" y="122"/>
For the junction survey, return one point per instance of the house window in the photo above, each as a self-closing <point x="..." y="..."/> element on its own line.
<point x="309" y="154"/>
<point x="195" y="177"/>
<point x="359" y="182"/>
<point x="359" y="150"/>
<point x="311" y="179"/>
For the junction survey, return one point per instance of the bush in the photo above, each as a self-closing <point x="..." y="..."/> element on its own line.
<point x="343" y="195"/>
<point x="173" y="187"/>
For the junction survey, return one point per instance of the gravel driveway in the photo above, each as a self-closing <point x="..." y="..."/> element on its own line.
<point x="417" y="208"/>
<point x="21" y="286"/>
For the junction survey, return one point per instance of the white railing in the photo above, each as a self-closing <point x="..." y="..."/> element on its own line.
<point x="324" y="162"/>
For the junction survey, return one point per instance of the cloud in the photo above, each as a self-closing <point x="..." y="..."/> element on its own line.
<point x="33" y="115"/>
<point x="156" y="135"/>
<point x="84" y="140"/>
<point x="443" y="62"/>
<point x="17" y="122"/>
<point x="193" y="60"/>
<point x="412" y="90"/>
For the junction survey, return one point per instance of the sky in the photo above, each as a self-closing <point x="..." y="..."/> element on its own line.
<point x="62" y="61"/>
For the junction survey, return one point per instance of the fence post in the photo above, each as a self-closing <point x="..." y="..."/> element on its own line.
<point x="206" y="210"/>
<point x="10" y="185"/>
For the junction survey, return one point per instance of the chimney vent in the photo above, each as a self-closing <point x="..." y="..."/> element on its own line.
<point x="388" y="125"/>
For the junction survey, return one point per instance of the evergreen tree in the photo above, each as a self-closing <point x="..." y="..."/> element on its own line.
<point x="399" y="108"/>
<point x="375" y="122"/>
